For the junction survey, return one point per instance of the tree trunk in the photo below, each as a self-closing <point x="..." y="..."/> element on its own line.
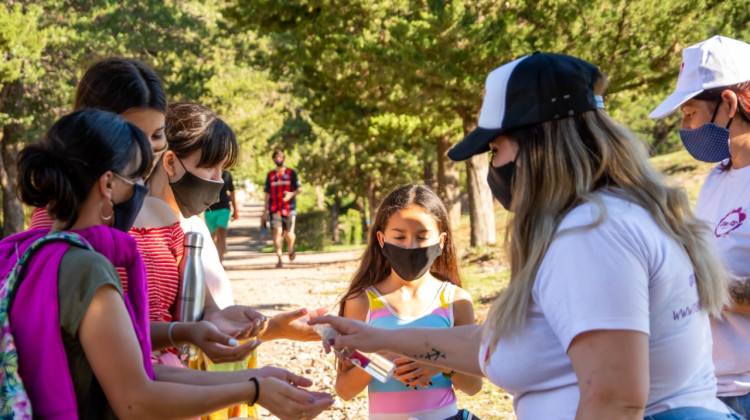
<point x="10" y="145"/>
<point x="480" y="197"/>
<point x="372" y="201"/>
<point x="335" y="212"/>
<point x="449" y="185"/>
<point x="428" y="169"/>
<point x="360" y="204"/>
<point x="320" y="196"/>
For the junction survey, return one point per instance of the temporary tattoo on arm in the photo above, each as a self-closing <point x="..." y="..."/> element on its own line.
<point x="740" y="291"/>
<point x="432" y="355"/>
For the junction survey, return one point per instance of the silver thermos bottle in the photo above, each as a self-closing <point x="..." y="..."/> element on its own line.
<point x="192" y="292"/>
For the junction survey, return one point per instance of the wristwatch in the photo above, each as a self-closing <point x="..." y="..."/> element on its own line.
<point x="449" y="375"/>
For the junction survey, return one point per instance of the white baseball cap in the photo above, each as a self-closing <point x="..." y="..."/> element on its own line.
<point x="532" y="89"/>
<point x="716" y="62"/>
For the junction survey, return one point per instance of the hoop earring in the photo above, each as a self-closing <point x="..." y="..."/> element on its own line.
<point x="101" y="204"/>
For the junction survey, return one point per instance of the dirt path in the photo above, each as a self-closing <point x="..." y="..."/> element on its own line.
<point x="314" y="279"/>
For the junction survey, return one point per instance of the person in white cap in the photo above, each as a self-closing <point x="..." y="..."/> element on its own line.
<point x="713" y="93"/>
<point x="612" y="279"/>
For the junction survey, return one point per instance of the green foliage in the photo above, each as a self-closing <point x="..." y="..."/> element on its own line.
<point x="350" y="225"/>
<point x="21" y="41"/>
<point x="359" y="61"/>
<point x="356" y="92"/>
<point x="312" y="230"/>
<point x="48" y="44"/>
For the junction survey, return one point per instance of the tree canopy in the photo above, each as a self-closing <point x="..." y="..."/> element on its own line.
<point x="363" y="95"/>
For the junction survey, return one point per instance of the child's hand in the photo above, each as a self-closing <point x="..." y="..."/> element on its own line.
<point x="292" y="325"/>
<point x="219" y="347"/>
<point x="239" y="321"/>
<point x="413" y="373"/>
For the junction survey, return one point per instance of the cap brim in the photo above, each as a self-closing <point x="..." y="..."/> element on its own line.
<point x="476" y="142"/>
<point x="673" y="102"/>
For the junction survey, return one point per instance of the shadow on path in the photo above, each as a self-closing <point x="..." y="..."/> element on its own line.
<point x="245" y="240"/>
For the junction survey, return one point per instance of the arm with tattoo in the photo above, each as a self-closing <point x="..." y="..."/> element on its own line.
<point x="455" y="348"/>
<point x="433" y="355"/>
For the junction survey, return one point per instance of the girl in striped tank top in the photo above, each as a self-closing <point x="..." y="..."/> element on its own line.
<point x="409" y="277"/>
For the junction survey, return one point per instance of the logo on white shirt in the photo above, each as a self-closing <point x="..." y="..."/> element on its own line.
<point x="730" y="222"/>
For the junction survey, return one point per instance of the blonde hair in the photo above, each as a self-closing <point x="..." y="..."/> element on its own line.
<point x="562" y="164"/>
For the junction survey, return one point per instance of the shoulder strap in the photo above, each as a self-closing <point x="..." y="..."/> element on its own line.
<point x="14" y="277"/>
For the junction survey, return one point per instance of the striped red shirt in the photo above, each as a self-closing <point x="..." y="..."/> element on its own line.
<point x="276" y="185"/>
<point x="40" y="219"/>
<point x="160" y="248"/>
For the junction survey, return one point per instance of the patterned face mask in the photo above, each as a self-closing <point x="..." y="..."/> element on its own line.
<point x="708" y="143"/>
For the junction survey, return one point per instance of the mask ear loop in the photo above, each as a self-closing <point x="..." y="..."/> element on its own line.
<point x="717" y="110"/>
<point x="183" y="167"/>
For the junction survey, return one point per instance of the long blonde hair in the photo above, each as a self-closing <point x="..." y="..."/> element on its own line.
<point x="562" y="164"/>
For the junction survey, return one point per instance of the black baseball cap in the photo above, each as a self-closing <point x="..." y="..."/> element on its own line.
<point x="530" y="90"/>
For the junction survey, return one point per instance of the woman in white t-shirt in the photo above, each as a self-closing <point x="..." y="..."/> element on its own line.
<point x="713" y="93"/>
<point x="612" y="280"/>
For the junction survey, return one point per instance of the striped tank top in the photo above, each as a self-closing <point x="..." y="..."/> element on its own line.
<point x="393" y="400"/>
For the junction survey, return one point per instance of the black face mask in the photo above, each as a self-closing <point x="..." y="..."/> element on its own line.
<point x="411" y="263"/>
<point x="195" y="194"/>
<point x="126" y="212"/>
<point x="501" y="183"/>
<point x="279" y="163"/>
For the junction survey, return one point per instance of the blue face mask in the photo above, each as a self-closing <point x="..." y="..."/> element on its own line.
<point x="708" y="143"/>
<point x="126" y="211"/>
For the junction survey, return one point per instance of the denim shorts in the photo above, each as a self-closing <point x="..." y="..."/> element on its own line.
<point x="739" y="403"/>
<point x="693" y="413"/>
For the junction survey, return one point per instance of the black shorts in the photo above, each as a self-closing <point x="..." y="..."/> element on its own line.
<point x="286" y="222"/>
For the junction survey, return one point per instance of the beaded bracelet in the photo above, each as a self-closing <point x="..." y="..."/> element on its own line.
<point x="257" y="390"/>
<point x="169" y="334"/>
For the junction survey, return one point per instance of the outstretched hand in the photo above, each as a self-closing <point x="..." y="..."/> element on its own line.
<point x="220" y="347"/>
<point x="289" y="402"/>
<point x="239" y="321"/>
<point x="412" y="373"/>
<point x="292" y="325"/>
<point x="283" y="374"/>
<point x="353" y="333"/>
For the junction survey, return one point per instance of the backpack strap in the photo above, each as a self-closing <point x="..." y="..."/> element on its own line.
<point x="14" y="401"/>
<point x="8" y="292"/>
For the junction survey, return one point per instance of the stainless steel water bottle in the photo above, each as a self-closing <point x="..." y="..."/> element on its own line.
<point x="192" y="292"/>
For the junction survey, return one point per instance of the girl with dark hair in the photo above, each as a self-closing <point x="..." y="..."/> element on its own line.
<point x="606" y="315"/>
<point x="409" y="277"/>
<point x="126" y="87"/>
<point x="186" y="180"/>
<point x="131" y="89"/>
<point x="713" y="93"/>
<point x="82" y="341"/>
